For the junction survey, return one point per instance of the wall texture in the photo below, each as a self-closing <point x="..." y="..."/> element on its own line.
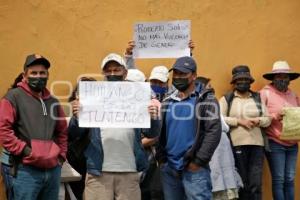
<point x="76" y="34"/>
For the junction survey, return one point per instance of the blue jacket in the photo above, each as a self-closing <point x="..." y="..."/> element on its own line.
<point x="94" y="151"/>
<point x="208" y="128"/>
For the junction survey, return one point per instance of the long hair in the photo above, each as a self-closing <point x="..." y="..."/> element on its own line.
<point x="18" y="79"/>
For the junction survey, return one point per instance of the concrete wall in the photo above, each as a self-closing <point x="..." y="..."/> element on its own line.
<point x="76" y="34"/>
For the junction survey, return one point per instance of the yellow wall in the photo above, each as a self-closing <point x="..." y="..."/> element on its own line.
<point x="76" y="34"/>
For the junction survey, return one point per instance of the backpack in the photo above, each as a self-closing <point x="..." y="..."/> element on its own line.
<point x="256" y="97"/>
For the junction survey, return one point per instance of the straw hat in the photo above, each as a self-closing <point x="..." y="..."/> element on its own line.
<point x="281" y="67"/>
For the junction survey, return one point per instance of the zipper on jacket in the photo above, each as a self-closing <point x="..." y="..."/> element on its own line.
<point x="44" y="107"/>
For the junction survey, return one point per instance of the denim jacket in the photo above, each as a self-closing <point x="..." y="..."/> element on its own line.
<point x="94" y="151"/>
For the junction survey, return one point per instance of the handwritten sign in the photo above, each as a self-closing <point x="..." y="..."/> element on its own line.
<point x="291" y="125"/>
<point x="114" y="104"/>
<point x="168" y="39"/>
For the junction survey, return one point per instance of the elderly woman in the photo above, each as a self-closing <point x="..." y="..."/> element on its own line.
<point x="244" y="113"/>
<point x="283" y="156"/>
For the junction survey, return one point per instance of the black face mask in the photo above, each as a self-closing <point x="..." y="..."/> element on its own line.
<point x="114" y="78"/>
<point x="242" y="87"/>
<point x="181" y="84"/>
<point x="37" y="84"/>
<point x="281" y="85"/>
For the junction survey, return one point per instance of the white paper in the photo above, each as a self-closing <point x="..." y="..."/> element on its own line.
<point x="114" y="104"/>
<point x="167" y="39"/>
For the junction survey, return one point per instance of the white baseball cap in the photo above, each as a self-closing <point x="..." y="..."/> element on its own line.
<point x="135" y="75"/>
<point x="160" y="73"/>
<point x="113" y="57"/>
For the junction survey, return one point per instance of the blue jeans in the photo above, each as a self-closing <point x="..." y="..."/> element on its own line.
<point x="282" y="162"/>
<point x="32" y="183"/>
<point x="186" y="185"/>
<point x="8" y="180"/>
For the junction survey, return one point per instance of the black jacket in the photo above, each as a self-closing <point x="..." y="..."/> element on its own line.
<point x="208" y="130"/>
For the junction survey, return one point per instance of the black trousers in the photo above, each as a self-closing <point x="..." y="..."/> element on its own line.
<point x="249" y="162"/>
<point x="151" y="187"/>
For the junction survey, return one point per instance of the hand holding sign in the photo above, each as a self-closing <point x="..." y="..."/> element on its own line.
<point x="75" y="107"/>
<point x="129" y="48"/>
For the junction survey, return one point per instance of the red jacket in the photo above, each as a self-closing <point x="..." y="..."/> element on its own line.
<point x="35" y="123"/>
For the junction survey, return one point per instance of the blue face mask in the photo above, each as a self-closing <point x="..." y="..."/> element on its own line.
<point x="159" y="90"/>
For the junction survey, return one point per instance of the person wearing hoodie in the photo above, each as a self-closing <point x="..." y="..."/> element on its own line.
<point x="114" y="156"/>
<point x="246" y="115"/>
<point x="33" y="130"/>
<point x="190" y="133"/>
<point x="282" y="158"/>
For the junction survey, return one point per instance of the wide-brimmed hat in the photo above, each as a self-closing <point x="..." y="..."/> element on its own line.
<point x="241" y="71"/>
<point x="281" y="67"/>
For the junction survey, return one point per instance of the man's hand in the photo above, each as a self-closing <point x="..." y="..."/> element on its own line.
<point x="248" y="124"/>
<point x="60" y="161"/>
<point x="148" y="142"/>
<point x="129" y="48"/>
<point x="75" y="107"/>
<point x="191" y="45"/>
<point x="192" y="167"/>
<point x="153" y="111"/>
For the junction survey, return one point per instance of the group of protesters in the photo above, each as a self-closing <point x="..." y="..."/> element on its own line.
<point x="197" y="148"/>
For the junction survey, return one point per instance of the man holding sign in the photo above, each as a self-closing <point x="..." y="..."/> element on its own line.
<point x="114" y="155"/>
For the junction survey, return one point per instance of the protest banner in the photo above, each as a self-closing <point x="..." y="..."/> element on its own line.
<point x="167" y="39"/>
<point x="291" y="125"/>
<point x="114" y="104"/>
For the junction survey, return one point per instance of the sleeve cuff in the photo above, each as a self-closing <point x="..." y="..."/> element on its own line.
<point x="26" y="151"/>
<point x="199" y="162"/>
<point x="127" y="55"/>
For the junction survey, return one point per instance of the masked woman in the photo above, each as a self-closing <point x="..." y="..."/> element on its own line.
<point x="283" y="155"/>
<point x="245" y="114"/>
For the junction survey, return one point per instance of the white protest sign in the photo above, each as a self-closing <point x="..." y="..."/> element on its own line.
<point x="167" y="39"/>
<point x="114" y="104"/>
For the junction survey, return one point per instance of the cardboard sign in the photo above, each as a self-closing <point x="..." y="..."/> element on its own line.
<point x="114" y="104"/>
<point x="168" y="39"/>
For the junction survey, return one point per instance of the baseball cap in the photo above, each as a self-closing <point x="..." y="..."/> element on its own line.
<point x="113" y="57"/>
<point x="35" y="59"/>
<point x="160" y="73"/>
<point x="135" y="75"/>
<point x="185" y="64"/>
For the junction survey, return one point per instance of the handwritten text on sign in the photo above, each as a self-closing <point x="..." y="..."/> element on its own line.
<point x="114" y="104"/>
<point x="162" y="39"/>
